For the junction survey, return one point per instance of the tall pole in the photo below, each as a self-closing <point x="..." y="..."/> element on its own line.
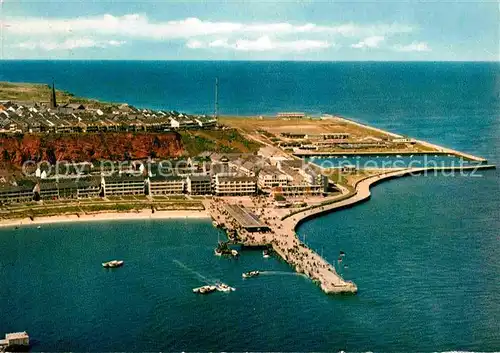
<point x="216" y="108"/>
<point x="2" y="25"/>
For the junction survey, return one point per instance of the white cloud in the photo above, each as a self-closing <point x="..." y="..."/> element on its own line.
<point x="370" y="42"/>
<point x="415" y="46"/>
<point x="264" y="43"/>
<point x="104" y="31"/>
<point x="68" y="44"/>
<point x="194" y="44"/>
<point x="139" y="26"/>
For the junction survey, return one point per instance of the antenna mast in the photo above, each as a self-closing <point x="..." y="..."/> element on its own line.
<point x="216" y="108"/>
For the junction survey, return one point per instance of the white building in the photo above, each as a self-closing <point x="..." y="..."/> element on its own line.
<point x="183" y="123"/>
<point x="291" y="115"/>
<point x="166" y="185"/>
<point x="206" y="122"/>
<point x="124" y="185"/>
<point x="271" y="177"/>
<point x="403" y="140"/>
<point x="235" y="185"/>
<point x="335" y="136"/>
<point x="15" y="339"/>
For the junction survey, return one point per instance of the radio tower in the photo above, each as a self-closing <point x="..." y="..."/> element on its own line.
<point x="216" y="108"/>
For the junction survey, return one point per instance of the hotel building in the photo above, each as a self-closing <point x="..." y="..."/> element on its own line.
<point x="235" y="185"/>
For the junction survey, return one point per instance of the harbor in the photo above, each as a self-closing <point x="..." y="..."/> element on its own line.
<point x="256" y="222"/>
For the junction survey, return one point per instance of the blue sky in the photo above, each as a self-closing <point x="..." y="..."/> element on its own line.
<point x="250" y="30"/>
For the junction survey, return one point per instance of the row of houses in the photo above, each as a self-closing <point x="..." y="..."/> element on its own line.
<point x="95" y="187"/>
<point x="76" y="118"/>
<point x="236" y="176"/>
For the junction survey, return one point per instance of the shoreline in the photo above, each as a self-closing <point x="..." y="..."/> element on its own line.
<point x="104" y="217"/>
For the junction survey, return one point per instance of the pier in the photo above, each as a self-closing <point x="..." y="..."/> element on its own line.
<point x="281" y="233"/>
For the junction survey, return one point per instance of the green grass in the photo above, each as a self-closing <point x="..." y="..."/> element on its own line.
<point x="223" y="141"/>
<point x="72" y="207"/>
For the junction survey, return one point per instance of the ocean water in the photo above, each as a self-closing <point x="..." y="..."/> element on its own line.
<point x="424" y="251"/>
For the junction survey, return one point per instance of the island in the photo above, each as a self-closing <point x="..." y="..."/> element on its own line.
<point x="65" y="158"/>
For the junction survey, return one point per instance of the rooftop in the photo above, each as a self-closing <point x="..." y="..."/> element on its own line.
<point x="16" y="335"/>
<point x="244" y="217"/>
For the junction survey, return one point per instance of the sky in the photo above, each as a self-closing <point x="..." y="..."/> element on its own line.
<point x="325" y="30"/>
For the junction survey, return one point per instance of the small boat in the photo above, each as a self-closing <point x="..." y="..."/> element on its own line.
<point x="113" y="264"/>
<point x="204" y="289"/>
<point x="250" y="274"/>
<point x="346" y="266"/>
<point x="411" y="156"/>
<point x="217" y="252"/>
<point x="342" y="253"/>
<point x="339" y="260"/>
<point x="234" y="252"/>
<point x="39" y="227"/>
<point x="215" y="224"/>
<point x="266" y="254"/>
<point x="222" y="287"/>
<point x="398" y="156"/>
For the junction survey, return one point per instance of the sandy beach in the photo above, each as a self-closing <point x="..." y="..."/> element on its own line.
<point x="106" y="216"/>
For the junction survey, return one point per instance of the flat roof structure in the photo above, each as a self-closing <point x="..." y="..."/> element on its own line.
<point x="245" y="218"/>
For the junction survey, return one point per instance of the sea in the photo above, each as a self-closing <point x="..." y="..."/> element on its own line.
<point x="424" y="251"/>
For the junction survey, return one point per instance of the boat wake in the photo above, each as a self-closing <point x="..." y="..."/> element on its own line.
<point x="197" y="274"/>
<point x="281" y="273"/>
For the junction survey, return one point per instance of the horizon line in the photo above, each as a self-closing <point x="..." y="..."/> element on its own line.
<point x="264" y="60"/>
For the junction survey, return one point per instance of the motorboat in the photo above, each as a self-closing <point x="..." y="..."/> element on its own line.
<point x="224" y="249"/>
<point x="113" y="264"/>
<point x="222" y="287"/>
<point x="266" y="254"/>
<point x="250" y="274"/>
<point x="204" y="289"/>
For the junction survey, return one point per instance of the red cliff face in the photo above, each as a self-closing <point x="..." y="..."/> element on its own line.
<point x="88" y="147"/>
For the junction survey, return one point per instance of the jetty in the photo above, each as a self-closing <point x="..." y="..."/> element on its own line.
<point x="258" y="223"/>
